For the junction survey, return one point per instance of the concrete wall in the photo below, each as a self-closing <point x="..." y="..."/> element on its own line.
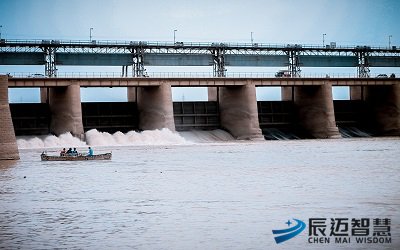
<point x="315" y="110"/>
<point x="66" y="110"/>
<point x="8" y="143"/>
<point x="238" y="111"/>
<point x="155" y="107"/>
<point x="385" y="104"/>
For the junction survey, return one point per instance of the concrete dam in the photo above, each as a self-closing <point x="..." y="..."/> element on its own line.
<point x="307" y="108"/>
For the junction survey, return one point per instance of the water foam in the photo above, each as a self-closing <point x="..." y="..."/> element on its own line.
<point x="148" y="137"/>
<point x="132" y="138"/>
<point x="49" y="141"/>
<point x="97" y="138"/>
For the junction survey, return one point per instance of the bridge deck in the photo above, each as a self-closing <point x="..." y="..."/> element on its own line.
<point x="194" y="82"/>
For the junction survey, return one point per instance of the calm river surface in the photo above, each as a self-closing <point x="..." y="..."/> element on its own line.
<point x="200" y="196"/>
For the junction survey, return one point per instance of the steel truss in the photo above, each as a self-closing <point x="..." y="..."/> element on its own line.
<point x="139" y="49"/>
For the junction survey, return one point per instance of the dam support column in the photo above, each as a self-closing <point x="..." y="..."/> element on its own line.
<point x="155" y="107"/>
<point x="44" y="95"/>
<point x="8" y="142"/>
<point x="212" y="94"/>
<point x="66" y="110"/>
<point x="287" y="93"/>
<point x="356" y="93"/>
<point x="384" y="102"/>
<point x="315" y="110"/>
<point x="238" y="111"/>
<point x="131" y="94"/>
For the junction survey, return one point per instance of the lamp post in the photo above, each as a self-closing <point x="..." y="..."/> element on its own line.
<point x="90" y="34"/>
<point x="323" y="40"/>
<point x="1" y="26"/>
<point x="174" y="35"/>
<point x="251" y="35"/>
<point x="390" y="36"/>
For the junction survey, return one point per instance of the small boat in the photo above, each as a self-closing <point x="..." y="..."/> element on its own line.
<point x="45" y="157"/>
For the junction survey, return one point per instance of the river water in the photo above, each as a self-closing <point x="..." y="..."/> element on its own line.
<point x="180" y="194"/>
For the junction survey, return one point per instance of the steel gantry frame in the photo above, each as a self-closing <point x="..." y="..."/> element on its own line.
<point x="219" y="62"/>
<point x="50" y="59"/>
<point x="363" y="64"/>
<point x="294" y="63"/>
<point x="138" y="63"/>
<point x="217" y="51"/>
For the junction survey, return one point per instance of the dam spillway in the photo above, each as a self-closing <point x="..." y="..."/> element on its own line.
<point x="307" y="107"/>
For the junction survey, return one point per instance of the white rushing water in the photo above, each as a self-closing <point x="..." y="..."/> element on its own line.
<point x="190" y="193"/>
<point x="97" y="138"/>
<point x="49" y="141"/>
<point x="132" y="138"/>
<point x="152" y="137"/>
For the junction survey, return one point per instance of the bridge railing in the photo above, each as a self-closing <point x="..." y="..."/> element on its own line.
<point x="183" y="75"/>
<point x="39" y="42"/>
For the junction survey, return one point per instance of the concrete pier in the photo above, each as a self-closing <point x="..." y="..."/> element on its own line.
<point x="356" y="93"/>
<point x="287" y="93"/>
<point x="8" y="142"/>
<point x="212" y="94"/>
<point x="44" y="95"/>
<point x="238" y="111"/>
<point x="385" y="104"/>
<point x="131" y="94"/>
<point x="155" y="107"/>
<point x="66" y="110"/>
<point x="315" y="110"/>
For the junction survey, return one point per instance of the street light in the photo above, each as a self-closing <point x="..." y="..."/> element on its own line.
<point x="1" y="26"/>
<point x="174" y="35"/>
<point x="251" y="34"/>
<point x="390" y="36"/>
<point x="90" y="34"/>
<point x="323" y="39"/>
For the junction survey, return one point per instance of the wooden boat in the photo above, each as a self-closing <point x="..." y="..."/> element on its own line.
<point x="45" y="157"/>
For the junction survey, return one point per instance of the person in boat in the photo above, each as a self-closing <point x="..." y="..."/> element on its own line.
<point x="90" y="153"/>
<point x="74" y="152"/>
<point x="62" y="153"/>
<point x="69" y="151"/>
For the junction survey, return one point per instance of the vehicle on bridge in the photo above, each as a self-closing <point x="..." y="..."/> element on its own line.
<point x="382" y="76"/>
<point x="36" y="76"/>
<point x="283" y="73"/>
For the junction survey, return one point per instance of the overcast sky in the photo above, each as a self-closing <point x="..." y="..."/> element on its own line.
<point x="365" y="22"/>
<point x="281" y="21"/>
